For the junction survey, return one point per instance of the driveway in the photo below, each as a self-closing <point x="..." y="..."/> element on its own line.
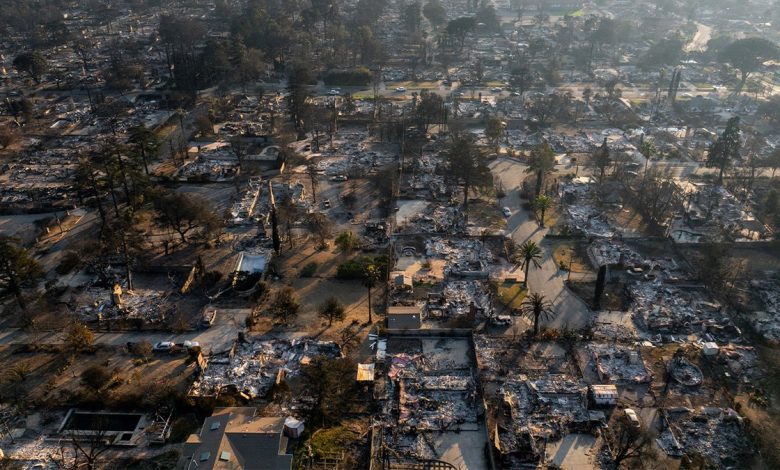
<point x="573" y="452"/>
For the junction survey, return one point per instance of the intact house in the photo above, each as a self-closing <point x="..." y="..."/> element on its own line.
<point x="235" y="438"/>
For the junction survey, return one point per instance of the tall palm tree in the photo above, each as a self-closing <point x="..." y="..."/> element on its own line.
<point x="530" y="253"/>
<point x="541" y="204"/>
<point x="536" y="306"/>
<point x="371" y="277"/>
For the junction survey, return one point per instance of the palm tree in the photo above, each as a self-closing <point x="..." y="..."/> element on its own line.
<point x="530" y="253"/>
<point x="535" y="306"/>
<point x="541" y="204"/>
<point x="371" y="276"/>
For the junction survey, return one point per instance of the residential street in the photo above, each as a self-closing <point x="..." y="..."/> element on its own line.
<point x="571" y="312"/>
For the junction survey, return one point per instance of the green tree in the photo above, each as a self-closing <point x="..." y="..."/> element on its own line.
<point x="346" y="241"/>
<point x="429" y="110"/>
<point x="664" y="52"/>
<point x="332" y="310"/>
<point x="541" y="162"/>
<point x="486" y="15"/>
<point x="32" y="63"/>
<point x="529" y="253"/>
<point x="747" y="55"/>
<point x="435" y="13"/>
<point x="724" y="151"/>
<point x="298" y="93"/>
<point x="332" y="386"/>
<point x="494" y="131"/>
<point x="536" y="306"/>
<point x="18" y="269"/>
<point x="411" y="16"/>
<point x="467" y="166"/>
<point x="284" y="305"/>
<point x="541" y="204"/>
<point x="371" y="276"/>
<point x="460" y="28"/>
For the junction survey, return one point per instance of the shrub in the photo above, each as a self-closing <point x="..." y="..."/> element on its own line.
<point x="353" y="269"/>
<point x="96" y="377"/>
<point x="309" y="270"/>
<point x="142" y="348"/>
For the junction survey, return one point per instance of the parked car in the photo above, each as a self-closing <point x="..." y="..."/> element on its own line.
<point x="339" y="178"/>
<point x="400" y="89"/>
<point x="334" y="93"/>
<point x="507" y="212"/>
<point x="163" y="346"/>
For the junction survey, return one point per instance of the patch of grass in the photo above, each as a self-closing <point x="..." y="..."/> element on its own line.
<point x="325" y="442"/>
<point x="511" y="295"/>
<point x="568" y="253"/>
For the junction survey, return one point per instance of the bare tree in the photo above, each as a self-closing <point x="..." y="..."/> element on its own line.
<point x="83" y="450"/>
<point x="628" y="440"/>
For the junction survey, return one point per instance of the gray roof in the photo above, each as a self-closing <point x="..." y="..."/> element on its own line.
<point x="234" y="438"/>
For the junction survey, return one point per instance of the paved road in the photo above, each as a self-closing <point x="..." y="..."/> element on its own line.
<point x="571" y="312"/>
<point x="217" y="339"/>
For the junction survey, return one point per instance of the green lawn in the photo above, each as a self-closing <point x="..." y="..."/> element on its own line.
<point x="511" y="295"/>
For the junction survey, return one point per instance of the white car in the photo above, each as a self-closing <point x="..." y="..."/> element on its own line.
<point x="400" y="89"/>
<point x="507" y="212"/>
<point x="163" y="346"/>
<point x="334" y="93"/>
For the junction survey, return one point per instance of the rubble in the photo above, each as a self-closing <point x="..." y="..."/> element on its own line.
<point x="534" y="411"/>
<point x="431" y="392"/>
<point x="716" y="434"/>
<point x="257" y="365"/>
<point x="616" y="363"/>
<point x="684" y="372"/>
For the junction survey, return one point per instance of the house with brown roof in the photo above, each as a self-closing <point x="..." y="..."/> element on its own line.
<point x="236" y="438"/>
